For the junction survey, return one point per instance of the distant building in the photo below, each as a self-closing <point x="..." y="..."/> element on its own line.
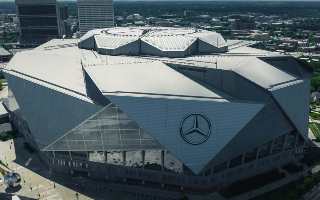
<point x="63" y="16"/>
<point x="95" y="14"/>
<point x="242" y="22"/>
<point x="39" y="21"/>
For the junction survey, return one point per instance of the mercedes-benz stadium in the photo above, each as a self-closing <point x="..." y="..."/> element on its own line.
<point x="174" y="109"/>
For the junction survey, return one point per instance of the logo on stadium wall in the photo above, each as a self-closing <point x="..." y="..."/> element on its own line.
<point x="195" y="129"/>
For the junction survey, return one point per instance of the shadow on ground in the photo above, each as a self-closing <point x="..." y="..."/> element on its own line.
<point x="5" y="196"/>
<point x="11" y="190"/>
<point x="94" y="189"/>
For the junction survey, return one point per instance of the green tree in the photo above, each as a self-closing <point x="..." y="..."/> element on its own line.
<point x="315" y="83"/>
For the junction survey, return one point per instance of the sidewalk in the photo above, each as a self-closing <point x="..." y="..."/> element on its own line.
<point x="34" y="185"/>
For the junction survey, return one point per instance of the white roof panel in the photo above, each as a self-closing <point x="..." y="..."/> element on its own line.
<point x="262" y="73"/>
<point x="170" y="43"/>
<point x="4" y="52"/>
<point x="153" y="78"/>
<point x="212" y="38"/>
<point x="250" y="67"/>
<point x="110" y="42"/>
<point x="60" y="67"/>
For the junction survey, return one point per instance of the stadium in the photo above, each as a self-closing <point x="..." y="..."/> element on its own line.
<point x="174" y="109"/>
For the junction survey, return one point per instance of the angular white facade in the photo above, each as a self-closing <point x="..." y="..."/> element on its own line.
<point x="132" y="99"/>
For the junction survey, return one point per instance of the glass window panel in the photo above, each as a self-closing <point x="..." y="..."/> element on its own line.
<point x="235" y="161"/>
<point x="172" y="164"/>
<point x="264" y="150"/>
<point x="134" y="158"/>
<point x="110" y="129"/>
<point x="115" y="158"/>
<point x="251" y="155"/>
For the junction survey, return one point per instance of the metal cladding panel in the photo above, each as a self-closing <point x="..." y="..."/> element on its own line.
<point x="255" y="70"/>
<point x="132" y="48"/>
<point x="144" y="78"/>
<point x="49" y="113"/>
<point x="93" y="92"/>
<point x="149" y="49"/>
<point x="213" y="39"/>
<point x="163" y="119"/>
<point x="87" y="43"/>
<point x="61" y="67"/>
<point x="227" y="81"/>
<point x="205" y="47"/>
<point x="288" y="64"/>
<point x="245" y="89"/>
<point x="170" y="43"/>
<point x="269" y="123"/>
<point x="294" y="100"/>
<point x="111" y="45"/>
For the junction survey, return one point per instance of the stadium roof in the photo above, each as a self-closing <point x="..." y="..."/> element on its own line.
<point x="4" y="52"/>
<point x="61" y="63"/>
<point x="152" y="78"/>
<point x="147" y="73"/>
<point x="155" y="76"/>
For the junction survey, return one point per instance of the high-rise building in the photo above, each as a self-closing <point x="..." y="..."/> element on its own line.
<point x="172" y="110"/>
<point x="95" y="14"/>
<point x="39" y="21"/>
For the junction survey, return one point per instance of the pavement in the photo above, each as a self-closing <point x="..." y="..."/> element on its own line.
<point x="4" y="92"/>
<point x="39" y="183"/>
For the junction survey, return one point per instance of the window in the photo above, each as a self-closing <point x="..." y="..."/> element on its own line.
<point x="220" y="167"/>
<point x="235" y="161"/>
<point x="264" y="151"/>
<point x="207" y="172"/>
<point x="290" y="141"/>
<point x="251" y="155"/>
<point x="278" y="144"/>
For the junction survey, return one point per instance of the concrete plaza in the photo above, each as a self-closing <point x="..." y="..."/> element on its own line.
<point x="39" y="183"/>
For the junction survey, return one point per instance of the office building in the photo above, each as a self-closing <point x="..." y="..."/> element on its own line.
<point x="39" y="21"/>
<point x="94" y="14"/>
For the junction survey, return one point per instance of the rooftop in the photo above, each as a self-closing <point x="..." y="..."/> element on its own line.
<point x="151" y="78"/>
<point x="157" y="41"/>
<point x="122" y="61"/>
<point x="4" y="52"/>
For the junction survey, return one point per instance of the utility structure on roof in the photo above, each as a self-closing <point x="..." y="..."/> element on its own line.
<point x="149" y="107"/>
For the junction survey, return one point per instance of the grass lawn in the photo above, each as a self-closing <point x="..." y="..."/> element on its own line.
<point x="315" y="115"/>
<point x="315" y="128"/>
<point x="292" y="191"/>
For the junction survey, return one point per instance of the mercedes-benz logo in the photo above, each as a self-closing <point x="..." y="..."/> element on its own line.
<point x="195" y="129"/>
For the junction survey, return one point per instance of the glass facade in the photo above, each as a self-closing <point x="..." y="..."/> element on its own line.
<point x="39" y="9"/>
<point x="109" y="129"/>
<point x="38" y="23"/>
